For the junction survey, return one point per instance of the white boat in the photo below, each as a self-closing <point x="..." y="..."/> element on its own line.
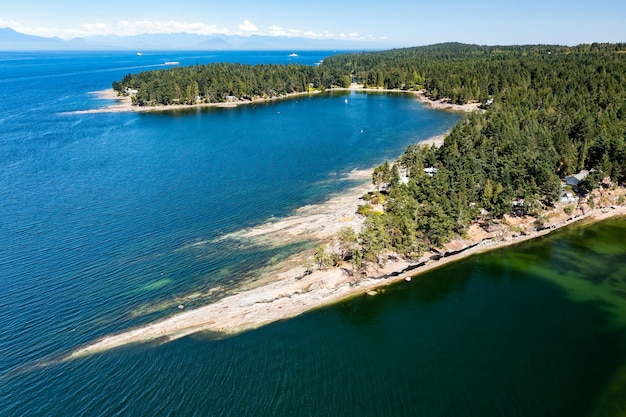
<point x="172" y="63"/>
<point x="139" y="54"/>
<point x="294" y="54"/>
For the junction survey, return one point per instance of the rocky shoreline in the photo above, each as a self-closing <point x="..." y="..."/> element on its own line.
<point x="291" y="291"/>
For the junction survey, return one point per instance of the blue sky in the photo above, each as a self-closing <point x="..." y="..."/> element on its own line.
<point x="386" y="22"/>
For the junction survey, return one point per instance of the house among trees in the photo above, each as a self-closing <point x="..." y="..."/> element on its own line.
<point x="575" y="179"/>
<point x="566" y="197"/>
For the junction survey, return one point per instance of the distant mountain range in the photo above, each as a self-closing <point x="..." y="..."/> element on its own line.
<point x="11" y="40"/>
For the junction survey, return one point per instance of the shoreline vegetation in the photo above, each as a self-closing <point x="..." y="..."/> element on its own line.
<point x="536" y="115"/>
<point x="125" y="104"/>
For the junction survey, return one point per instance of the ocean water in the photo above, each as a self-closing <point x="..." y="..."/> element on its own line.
<point x="109" y="220"/>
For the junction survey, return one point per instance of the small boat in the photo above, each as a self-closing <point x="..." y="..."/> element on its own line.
<point x="346" y="101"/>
<point x="172" y="63"/>
<point x="294" y="54"/>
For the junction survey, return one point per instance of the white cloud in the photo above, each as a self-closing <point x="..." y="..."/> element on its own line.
<point x="43" y="31"/>
<point x="351" y="35"/>
<point x="128" y="28"/>
<point x="147" y="26"/>
<point x="247" y="26"/>
<point x="277" y="31"/>
<point x="314" y="35"/>
<point x="137" y="27"/>
<point x="95" y="27"/>
<point x="9" y="23"/>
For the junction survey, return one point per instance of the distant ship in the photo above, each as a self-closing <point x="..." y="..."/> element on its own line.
<point x="294" y="54"/>
<point x="172" y="63"/>
<point x="139" y="54"/>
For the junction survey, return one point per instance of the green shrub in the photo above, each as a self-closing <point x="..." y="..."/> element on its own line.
<point x="364" y="210"/>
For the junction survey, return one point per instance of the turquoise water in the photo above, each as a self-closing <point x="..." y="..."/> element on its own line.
<point x="108" y="220"/>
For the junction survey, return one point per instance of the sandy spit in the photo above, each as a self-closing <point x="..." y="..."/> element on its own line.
<point x="442" y="104"/>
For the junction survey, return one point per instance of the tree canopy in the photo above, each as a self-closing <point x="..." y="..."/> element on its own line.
<point x="550" y="112"/>
<point x="217" y="82"/>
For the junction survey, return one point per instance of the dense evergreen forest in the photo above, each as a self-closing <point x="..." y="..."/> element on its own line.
<point x="550" y="111"/>
<point x="220" y="82"/>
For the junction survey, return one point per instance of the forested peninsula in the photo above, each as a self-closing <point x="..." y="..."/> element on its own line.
<point x="549" y="112"/>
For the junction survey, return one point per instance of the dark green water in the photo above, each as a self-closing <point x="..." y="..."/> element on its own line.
<point x="533" y="330"/>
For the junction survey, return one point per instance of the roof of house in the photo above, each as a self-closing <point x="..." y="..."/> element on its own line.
<point x="576" y="178"/>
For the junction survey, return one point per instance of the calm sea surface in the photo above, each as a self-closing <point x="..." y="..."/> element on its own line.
<point x="109" y="220"/>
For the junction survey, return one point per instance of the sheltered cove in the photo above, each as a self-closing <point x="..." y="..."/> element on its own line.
<point x="124" y="103"/>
